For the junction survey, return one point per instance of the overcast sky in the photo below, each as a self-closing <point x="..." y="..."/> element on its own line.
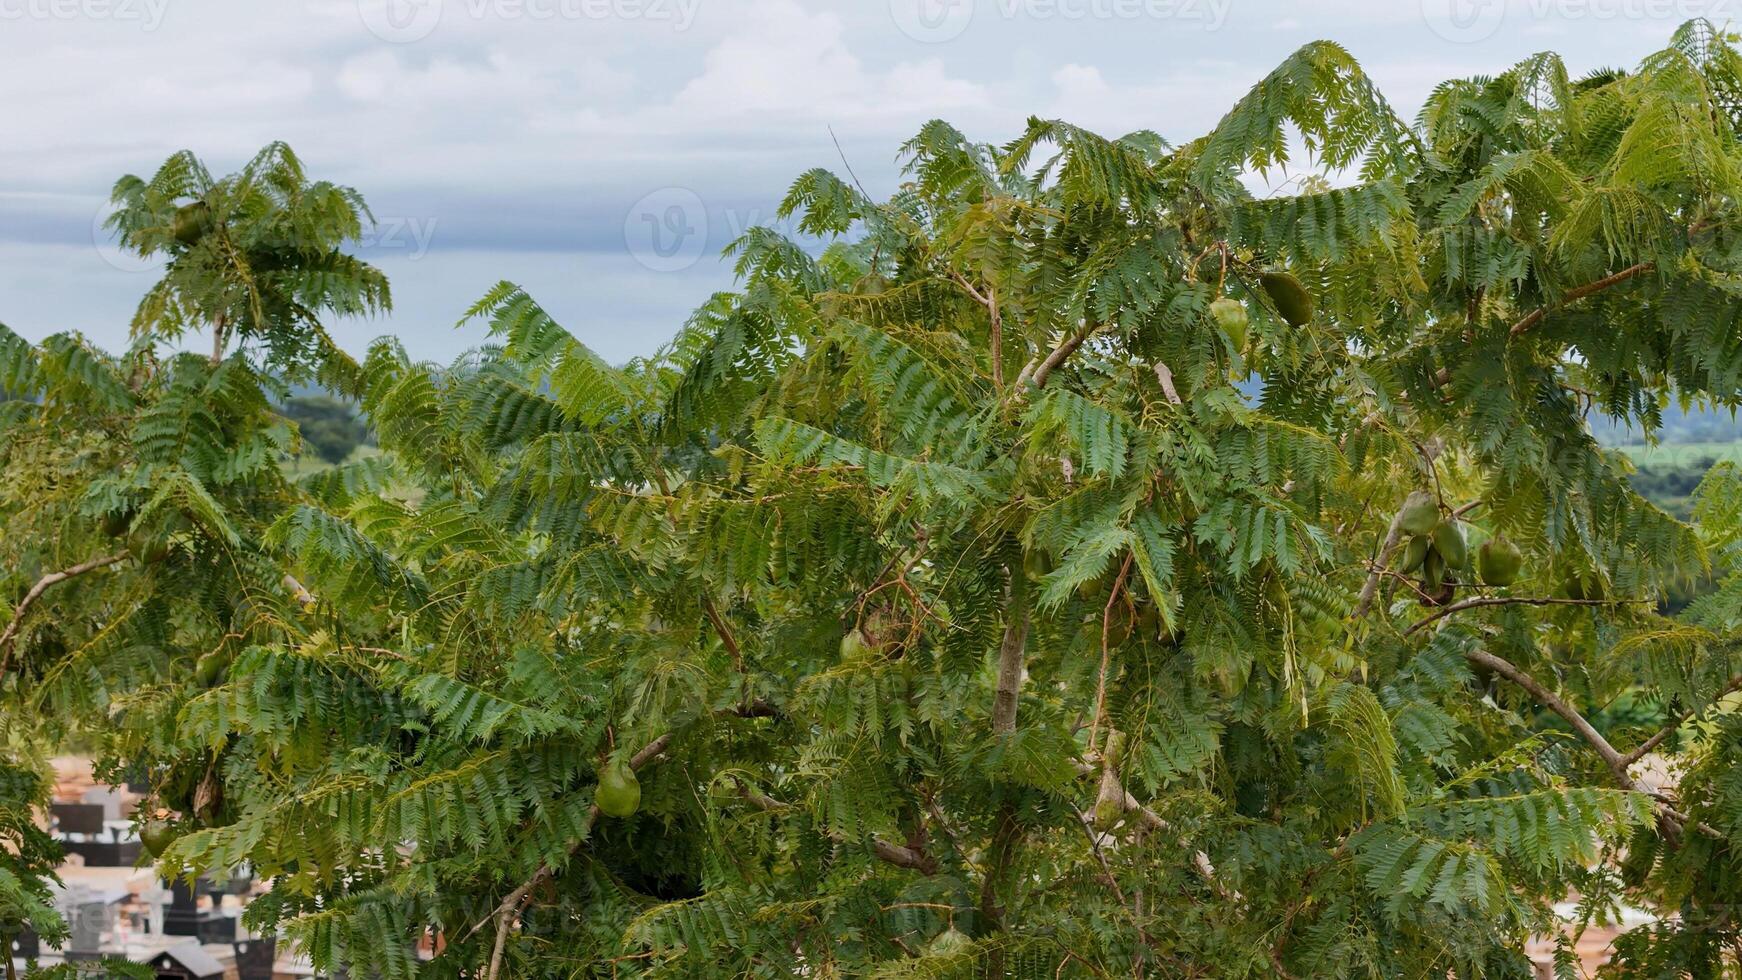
<point x="601" y="152"/>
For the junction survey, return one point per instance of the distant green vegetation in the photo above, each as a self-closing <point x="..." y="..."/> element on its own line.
<point x="1669" y="473"/>
<point x="330" y="428"/>
<point x="1684" y="454"/>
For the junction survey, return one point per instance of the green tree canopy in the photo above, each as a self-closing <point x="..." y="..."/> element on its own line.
<point x="1019" y="584"/>
<point x="254" y="256"/>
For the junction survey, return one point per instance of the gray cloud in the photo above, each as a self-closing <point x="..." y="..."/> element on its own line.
<point x="583" y="146"/>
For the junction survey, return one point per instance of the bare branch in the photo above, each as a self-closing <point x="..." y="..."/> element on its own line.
<point x="1010" y="653"/>
<point x="1666" y="731"/>
<point x="1393" y="535"/>
<point x="1037" y="373"/>
<point x="1535" y="316"/>
<point x="1496" y="600"/>
<point x="1107" y="649"/>
<point x="725" y="632"/>
<point x="42" y="585"/>
<point x="901" y="856"/>
<point x="1617" y="763"/>
<point x="904" y="857"/>
<point x="1164" y="375"/>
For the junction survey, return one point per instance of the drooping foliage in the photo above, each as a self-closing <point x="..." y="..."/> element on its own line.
<point x="1007" y="585"/>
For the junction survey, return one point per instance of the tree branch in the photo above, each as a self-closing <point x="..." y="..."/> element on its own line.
<point x="896" y="854"/>
<point x="1512" y="601"/>
<point x="988" y="299"/>
<point x="1107" y="649"/>
<point x="1036" y="374"/>
<point x="904" y="857"/>
<point x="1010" y="653"/>
<point x="1549" y="700"/>
<point x="1535" y="316"/>
<point x="1011" y="664"/>
<point x="725" y="632"/>
<point x="42" y="585"/>
<point x="1617" y="763"/>
<point x="1666" y="731"/>
<point x="1393" y="535"/>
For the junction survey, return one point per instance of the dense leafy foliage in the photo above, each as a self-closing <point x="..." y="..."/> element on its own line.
<point x="954" y="609"/>
<point x="254" y="256"/>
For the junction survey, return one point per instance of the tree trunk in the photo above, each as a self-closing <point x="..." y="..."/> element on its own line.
<point x="218" y="340"/>
<point x="1008" y="830"/>
<point x="6" y="951"/>
<point x="1010" y="653"/>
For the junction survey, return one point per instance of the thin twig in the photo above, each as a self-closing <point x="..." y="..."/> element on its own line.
<point x="1084" y="820"/>
<point x="725" y="632"/>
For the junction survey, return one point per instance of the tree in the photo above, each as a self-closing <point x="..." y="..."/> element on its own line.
<point x="1017" y="587"/>
<point x="328" y="425"/>
<point x="254" y="256"/>
<point x="29" y="857"/>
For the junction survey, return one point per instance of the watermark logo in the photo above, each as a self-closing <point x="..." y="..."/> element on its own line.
<point x="1464" y="21"/>
<point x="400" y="21"/>
<point x="108" y="245"/>
<point x="936" y="21"/>
<point x="147" y="13"/>
<point x="405" y="21"/>
<point x="932" y="21"/>
<point x="667" y="230"/>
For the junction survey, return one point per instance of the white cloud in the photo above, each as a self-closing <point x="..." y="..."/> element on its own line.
<point x="784" y="60"/>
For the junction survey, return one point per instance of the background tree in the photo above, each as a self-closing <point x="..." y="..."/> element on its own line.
<point x="327" y="425"/>
<point x="255" y="256"/>
<point x="1020" y="584"/>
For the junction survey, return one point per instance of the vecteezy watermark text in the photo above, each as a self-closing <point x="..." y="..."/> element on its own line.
<point x="147" y="13"/>
<point x="1470" y="21"/>
<point x="935" y="21"/>
<point x="404" y="21"/>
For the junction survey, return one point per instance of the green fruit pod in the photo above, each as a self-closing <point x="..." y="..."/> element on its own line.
<point x="1433" y="571"/>
<point x="156" y="836"/>
<point x="1420" y="514"/>
<point x="1231" y="318"/>
<point x="854" y="649"/>
<point x="191" y="222"/>
<point x="1499" y="561"/>
<point x="950" y="942"/>
<point x="619" y="792"/>
<point x="1414" y="553"/>
<point x="209" y="669"/>
<point x="1449" y="542"/>
<point x="1290" y="297"/>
